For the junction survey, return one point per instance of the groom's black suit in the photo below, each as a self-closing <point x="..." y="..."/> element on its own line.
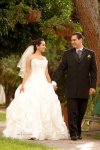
<point x="81" y="76"/>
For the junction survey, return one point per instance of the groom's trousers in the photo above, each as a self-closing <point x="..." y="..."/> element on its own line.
<point x="76" y="110"/>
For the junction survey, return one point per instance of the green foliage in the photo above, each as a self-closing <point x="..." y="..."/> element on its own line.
<point x="77" y="27"/>
<point x="97" y="136"/>
<point x="56" y="13"/>
<point x="8" y="69"/>
<point x="10" y="14"/>
<point x="55" y="8"/>
<point x="16" y="34"/>
<point x="92" y="102"/>
<point x="9" y="76"/>
<point x="17" y="13"/>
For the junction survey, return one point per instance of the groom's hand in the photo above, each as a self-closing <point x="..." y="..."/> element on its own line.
<point x="92" y="91"/>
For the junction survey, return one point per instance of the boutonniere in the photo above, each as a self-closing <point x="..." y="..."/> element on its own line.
<point x="88" y="56"/>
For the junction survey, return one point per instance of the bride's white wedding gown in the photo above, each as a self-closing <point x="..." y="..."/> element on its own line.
<point x="36" y="112"/>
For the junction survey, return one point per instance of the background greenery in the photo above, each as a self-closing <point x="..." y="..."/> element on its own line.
<point x="17" y="30"/>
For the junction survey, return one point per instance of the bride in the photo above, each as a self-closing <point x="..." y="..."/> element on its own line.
<point x="35" y="112"/>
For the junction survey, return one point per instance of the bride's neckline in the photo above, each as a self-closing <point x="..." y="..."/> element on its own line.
<point x="38" y="59"/>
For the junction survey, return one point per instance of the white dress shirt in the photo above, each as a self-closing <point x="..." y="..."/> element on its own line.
<point x="77" y="49"/>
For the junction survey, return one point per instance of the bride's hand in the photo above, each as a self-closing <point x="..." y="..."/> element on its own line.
<point x="22" y="88"/>
<point x="55" y="87"/>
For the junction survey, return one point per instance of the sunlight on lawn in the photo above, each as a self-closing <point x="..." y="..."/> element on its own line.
<point x="10" y="144"/>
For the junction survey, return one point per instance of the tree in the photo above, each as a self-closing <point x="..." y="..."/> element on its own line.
<point x="89" y="15"/>
<point x="18" y="25"/>
<point x="9" y="76"/>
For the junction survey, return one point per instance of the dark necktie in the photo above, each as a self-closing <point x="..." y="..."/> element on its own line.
<point x="79" y="52"/>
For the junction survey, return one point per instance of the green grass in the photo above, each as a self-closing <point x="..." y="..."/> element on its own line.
<point x="96" y="136"/>
<point x="2" y="116"/>
<point x="91" y="136"/>
<point x="12" y="144"/>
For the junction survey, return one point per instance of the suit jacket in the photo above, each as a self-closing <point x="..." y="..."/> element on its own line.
<point x="81" y="73"/>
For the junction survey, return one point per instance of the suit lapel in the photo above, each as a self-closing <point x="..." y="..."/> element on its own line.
<point x="83" y="54"/>
<point x="76" y="56"/>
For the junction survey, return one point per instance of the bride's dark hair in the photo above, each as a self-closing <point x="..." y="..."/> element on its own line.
<point x="36" y="42"/>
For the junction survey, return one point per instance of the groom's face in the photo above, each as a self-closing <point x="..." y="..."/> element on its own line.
<point x="76" y="43"/>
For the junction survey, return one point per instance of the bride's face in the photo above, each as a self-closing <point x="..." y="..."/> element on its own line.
<point x="41" y="47"/>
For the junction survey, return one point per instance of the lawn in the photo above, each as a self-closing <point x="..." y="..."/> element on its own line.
<point x="2" y="116"/>
<point x="97" y="136"/>
<point x="10" y="144"/>
<point x="93" y="136"/>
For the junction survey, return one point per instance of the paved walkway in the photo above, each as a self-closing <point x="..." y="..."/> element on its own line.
<point x="87" y="143"/>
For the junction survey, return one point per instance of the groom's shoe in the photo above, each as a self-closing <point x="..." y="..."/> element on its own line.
<point x="79" y="137"/>
<point x="74" y="138"/>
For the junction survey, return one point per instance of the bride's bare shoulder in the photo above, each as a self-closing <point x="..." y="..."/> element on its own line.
<point x="44" y="57"/>
<point x="29" y="58"/>
<point x="33" y="56"/>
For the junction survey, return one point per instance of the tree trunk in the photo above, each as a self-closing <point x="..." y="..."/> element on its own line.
<point x="88" y="11"/>
<point x="8" y="92"/>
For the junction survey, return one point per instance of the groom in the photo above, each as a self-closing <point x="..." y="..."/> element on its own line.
<point x="80" y="65"/>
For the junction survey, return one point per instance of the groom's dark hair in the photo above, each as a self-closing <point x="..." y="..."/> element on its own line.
<point x="78" y="34"/>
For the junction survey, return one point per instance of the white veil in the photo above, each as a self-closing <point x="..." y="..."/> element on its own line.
<point x="22" y="62"/>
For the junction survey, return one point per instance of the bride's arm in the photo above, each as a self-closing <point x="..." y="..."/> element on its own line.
<point x="27" y="72"/>
<point x="47" y="75"/>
